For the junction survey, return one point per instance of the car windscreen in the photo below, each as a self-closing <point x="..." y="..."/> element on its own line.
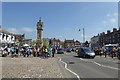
<point x="60" y="49"/>
<point x="87" y="50"/>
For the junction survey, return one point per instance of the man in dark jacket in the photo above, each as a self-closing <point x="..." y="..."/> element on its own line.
<point x="53" y="52"/>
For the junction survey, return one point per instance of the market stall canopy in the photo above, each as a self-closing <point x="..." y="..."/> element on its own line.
<point x="25" y="45"/>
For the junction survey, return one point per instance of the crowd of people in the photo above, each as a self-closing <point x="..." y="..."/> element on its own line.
<point x="26" y="51"/>
<point x="108" y="51"/>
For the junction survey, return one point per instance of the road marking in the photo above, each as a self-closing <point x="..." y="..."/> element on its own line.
<point x="100" y="64"/>
<point x="69" y="69"/>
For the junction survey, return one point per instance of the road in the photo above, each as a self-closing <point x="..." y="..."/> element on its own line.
<point x="97" y="68"/>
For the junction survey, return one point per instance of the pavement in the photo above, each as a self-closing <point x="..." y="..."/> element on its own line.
<point x="33" y="67"/>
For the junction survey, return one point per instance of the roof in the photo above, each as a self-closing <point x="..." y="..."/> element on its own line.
<point x="69" y="40"/>
<point x="4" y="31"/>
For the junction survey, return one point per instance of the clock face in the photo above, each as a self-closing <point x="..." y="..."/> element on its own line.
<point x="39" y="26"/>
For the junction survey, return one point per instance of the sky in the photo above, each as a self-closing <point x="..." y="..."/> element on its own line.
<point x="61" y="19"/>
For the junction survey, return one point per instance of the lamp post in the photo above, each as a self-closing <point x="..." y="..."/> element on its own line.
<point x="83" y="34"/>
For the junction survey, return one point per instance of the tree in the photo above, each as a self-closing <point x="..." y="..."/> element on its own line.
<point x="46" y="42"/>
<point x="62" y="44"/>
<point x="33" y="42"/>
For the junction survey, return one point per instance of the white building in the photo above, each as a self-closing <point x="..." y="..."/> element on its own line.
<point x="94" y="41"/>
<point x="6" y="37"/>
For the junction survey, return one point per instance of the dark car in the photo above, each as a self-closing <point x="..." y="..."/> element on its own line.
<point x="68" y="50"/>
<point x="60" y="51"/>
<point x="118" y="55"/>
<point x="86" y="52"/>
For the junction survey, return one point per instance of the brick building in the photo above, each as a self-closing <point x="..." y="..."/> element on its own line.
<point x="19" y="38"/>
<point x="71" y="43"/>
<point x="110" y="37"/>
<point x="55" y="43"/>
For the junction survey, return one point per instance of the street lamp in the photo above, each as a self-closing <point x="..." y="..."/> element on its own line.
<point x="83" y="34"/>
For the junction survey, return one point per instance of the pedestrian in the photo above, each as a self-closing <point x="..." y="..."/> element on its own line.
<point x="12" y="51"/>
<point x="38" y="51"/>
<point x="113" y="51"/>
<point x="46" y="52"/>
<point x="34" y="51"/>
<point x="8" y="50"/>
<point x="27" y="51"/>
<point x="17" y="50"/>
<point x="42" y="52"/>
<point x="105" y="52"/>
<point x="53" y="52"/>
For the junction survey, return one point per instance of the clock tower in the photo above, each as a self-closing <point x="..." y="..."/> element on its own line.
<point x="39" y="42"/>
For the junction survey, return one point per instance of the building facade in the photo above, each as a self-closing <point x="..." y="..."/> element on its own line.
<point x="6" y="37"/>
<point x="71" y="43"/>
<point x="110" y="37"/>
<point x="19" y="39"/>
<point x="77" y="43"/>
<point x="55" y="43"/>
<point x="94" y="41"/>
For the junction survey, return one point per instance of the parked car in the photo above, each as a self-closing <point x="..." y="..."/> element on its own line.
<point x="60" y="51"/>
<point x="118" y="55"/>
<point x="69" y="50"/>
<point x="86" y="52"/>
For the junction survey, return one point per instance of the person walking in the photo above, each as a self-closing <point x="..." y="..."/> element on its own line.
<point x="38" y="52"/>
<point x="12" y="51"/>
<point x="42" y="52"/>
<point x="53" y="52"/>
<point x="34" y="51"/>
<point x="113" y="51"/>
<point x="17" y="50"/>
<point x="8" y="50"/>
<point x="46" y="52"/>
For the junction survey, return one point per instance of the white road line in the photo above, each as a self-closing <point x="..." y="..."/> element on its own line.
<point x="100" y="64"/>
<point x="69" y="69"/>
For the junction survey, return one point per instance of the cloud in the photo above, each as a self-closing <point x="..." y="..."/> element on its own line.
<point x="108" y="15"/>
<point x="115" y="14"/>
<point x="12" y="30"/>
<point x="28" y="30"/>
<point x="60" y="36"/>
<point x="104" y="22"/>
<point x="112" y="15"/>
<point x="113" y="20"/>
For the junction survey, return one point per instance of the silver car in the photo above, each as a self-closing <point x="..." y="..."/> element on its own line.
<point x="86" y="52"/>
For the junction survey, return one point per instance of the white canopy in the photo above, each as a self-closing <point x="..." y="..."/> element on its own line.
<point x="25" y="45"/>
<point x="111" y="45"/>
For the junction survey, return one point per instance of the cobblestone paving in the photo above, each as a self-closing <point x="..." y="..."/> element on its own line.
<point x="32" y="67"/>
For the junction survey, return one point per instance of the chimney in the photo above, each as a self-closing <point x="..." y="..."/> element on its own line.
<point x="119" y="28"/>
<point x="108" y="31"/>
<point x="98" y="34"/>
<point x="114" y="29"/>
<point x="103" y="33"/>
